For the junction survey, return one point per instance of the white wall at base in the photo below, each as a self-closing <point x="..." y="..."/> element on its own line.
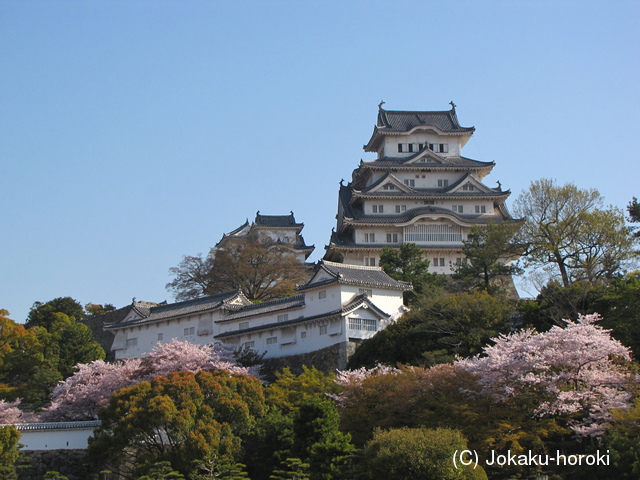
<point x="56" y="435"/>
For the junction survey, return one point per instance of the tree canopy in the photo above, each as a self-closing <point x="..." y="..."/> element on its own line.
<point x="568" y="228"/>
<point x="181" y="418"/>
<point x="262" y="268"/>
<point x="408" y="264"/>
<point x="488" y="255"/>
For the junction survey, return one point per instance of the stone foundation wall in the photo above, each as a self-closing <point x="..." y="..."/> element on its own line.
<point x="327" y="359"/>
<point x="73" y="464"/>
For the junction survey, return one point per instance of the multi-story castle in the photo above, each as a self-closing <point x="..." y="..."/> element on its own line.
<point x="420" y="189"/>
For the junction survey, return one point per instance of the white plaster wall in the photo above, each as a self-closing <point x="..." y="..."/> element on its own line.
<point x="295" y="344"/>
<point x="390" y="147"/>
<point x="258" y="320"/>
<point x="316" y="305"/>
<point x="147" y="335"/>
<point x="55" y="439"/>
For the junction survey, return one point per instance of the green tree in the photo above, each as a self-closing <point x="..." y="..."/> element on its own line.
<point x="408" y="264"/>
<point x="97" y="309"/>
<point x="417" y="454"/>
<point x="162" y="471"/>
<point x="64" y="342"/>
<point x="180" y="418"/>
<point x="440" y="326"/>
<point x="21" y="356"/>
<point x="9" y="452"/>
<point x="44" y="314"/>
<point x="291" y="469"/>
<point x="259" y="266"/>
<point x="489" y="253"/>
<point x="566" y="227"/>
<point x="319" y="441"/>
<point x="76" y="345"/>
<point x="633" y="209"/>
<point x="270" y="444"/>
<point x="288" y="390"/>
<point x="53" y="475"/>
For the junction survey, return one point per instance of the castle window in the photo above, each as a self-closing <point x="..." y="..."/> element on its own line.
<point x="401" y="208"/>
<point x="399" y="148"/>
<point x="160" y="336"/>
<point x="458" y="208"/>
<point x="303" y="335"/>
<point x="443" y="182"/>
<point x="389" y="186"/>
<point x="323" y="329"/>
<point x="468" y="187"/>
<point x="363" y="324"/>
<point x="368" y="291"/>
<point x="410" y="182"/>
<point x="250" y="344"/>
<point x="189" y="331"/>
<point x="392" y="238"/>
<point x="444" y="148"/>
<point x="243" y="325"/>
<point x="370" y="237"/>
<point x="438" y="262"/>
<point x="322" y="294"/>
<point x="370" y="261"/>
<point x="481" y="209"/>
<point x="410" y="147"/>
<point x="378" y="208"/>
<point x="272" y="340"/>
<point x="283" y="318"/>
<point x="132" y="342"/>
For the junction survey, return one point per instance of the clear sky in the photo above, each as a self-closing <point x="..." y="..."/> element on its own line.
<point x="135" y="132"/>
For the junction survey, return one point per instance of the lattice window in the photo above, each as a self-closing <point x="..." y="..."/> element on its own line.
<point x="432" y="233"/>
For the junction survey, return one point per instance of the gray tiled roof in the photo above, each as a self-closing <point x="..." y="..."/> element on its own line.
<point x="351" y="305"/>
<point x="287" y="303"/>
<point x="427" y="192"/>
<point x="277" y="221"/>
<point x="356" y="275"/>
<point x="447" y="163"/>
<point x="188" y="307"/>
<point x="404" y="121"/>
<point x="24" y="427"/>
<point x="426" y="210"/>
<point x="401" y="121"/>
<point x="275" y="325"/>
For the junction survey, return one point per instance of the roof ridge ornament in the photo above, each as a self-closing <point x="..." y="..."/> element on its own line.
<point x="453" y="105"/>
<point x="382" y="102"/>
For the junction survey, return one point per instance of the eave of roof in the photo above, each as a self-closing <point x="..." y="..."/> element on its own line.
<point x="280" y="221"/>
<point x="180" y="309"/>
<point x="398" y="122"/>
<point x="406" y="218"/>
<point x="349" y="307"/>
<point x="272" y="306"/>
<point x="79" y="425"/>
<point x="277" y="325"/>
<point x="449" y="163"/>
<point x="356" y="275"/>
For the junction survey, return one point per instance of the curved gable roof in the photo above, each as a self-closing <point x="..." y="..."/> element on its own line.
<point x="403" y="121"/>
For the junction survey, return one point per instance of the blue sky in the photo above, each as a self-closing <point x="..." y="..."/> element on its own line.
<point x="135" y="132"/>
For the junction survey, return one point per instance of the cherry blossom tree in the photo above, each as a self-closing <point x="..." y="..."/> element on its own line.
<point x="10" y="413"/>
<point x="578" y="371"/>
<point x="80" y="396"/>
